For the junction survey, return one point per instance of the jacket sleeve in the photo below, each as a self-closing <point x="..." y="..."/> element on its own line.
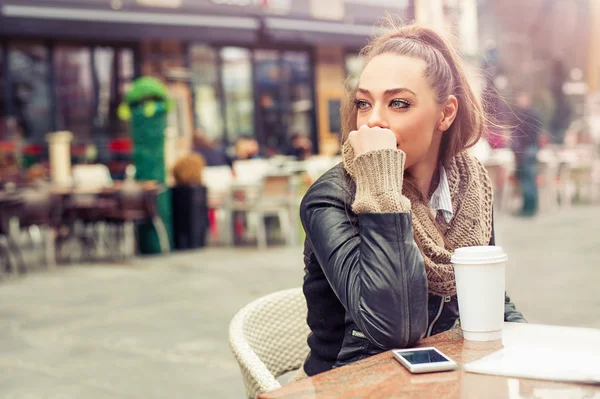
<point x="511" y="314"/>
<point x="375" y="268"/>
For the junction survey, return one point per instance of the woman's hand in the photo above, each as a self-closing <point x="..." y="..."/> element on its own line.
<point x="367" y="139"/>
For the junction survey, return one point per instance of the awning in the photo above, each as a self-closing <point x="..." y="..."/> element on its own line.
<point x="120" y="24"/>
<point x="319" y="32"/>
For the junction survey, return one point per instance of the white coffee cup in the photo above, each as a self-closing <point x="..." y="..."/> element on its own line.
<point x="480" y="287"/>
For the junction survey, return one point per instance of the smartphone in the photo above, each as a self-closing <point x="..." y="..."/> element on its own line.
<point x="424" y="360"/>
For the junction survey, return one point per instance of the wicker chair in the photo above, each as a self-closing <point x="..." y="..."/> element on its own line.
<point x="268" y="338"/>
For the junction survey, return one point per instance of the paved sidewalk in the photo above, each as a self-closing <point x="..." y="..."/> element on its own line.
<point x="157" y="327"/>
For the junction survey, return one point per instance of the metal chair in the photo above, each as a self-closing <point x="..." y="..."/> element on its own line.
<point x="11" y="206"/>
<point x="136" y="204"/>
<point x="92" y="176"/>
<point x="84" y="218"/>
<point x="40" y="216"/>
<point x="218" y="181"/>
<point x="274" y="196"/>
<point x="268" y="338"/>
<point x="251" y="170"/>
<point x="547" y="181"/>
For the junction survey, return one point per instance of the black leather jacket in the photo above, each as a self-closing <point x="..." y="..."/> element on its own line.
<point x="365" y="281"/>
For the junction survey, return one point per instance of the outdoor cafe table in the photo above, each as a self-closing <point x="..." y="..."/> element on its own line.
<point x="381" y="376"/>
<point x="96" y="201"/>
<point x="148" y="186"/>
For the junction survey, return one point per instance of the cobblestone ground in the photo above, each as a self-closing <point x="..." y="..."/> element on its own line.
<point x="157" y="327"/>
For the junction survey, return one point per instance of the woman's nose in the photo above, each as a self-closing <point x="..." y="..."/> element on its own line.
<point x="377" y="119"/>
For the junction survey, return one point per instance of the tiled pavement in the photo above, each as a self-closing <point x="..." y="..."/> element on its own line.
<point x="157" y="327"/>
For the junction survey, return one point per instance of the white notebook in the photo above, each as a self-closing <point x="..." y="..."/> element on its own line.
<point x="545" y="353"/>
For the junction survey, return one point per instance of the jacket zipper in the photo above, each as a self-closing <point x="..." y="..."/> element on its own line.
<point x="437" y="317"/>
<point x="358" y="334"/>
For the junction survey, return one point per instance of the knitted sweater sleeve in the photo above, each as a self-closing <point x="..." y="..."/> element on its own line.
<point x="379" y="176"/>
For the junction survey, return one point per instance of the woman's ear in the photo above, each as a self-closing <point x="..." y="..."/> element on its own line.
<point x="449" y="110"/>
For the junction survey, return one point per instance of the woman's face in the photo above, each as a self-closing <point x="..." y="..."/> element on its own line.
<point x="393" y="93"/>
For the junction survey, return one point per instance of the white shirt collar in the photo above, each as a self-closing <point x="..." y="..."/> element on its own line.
<point x="441" y="199"/>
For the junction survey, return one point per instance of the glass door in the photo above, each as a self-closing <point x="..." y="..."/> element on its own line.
<point x="236" y="77"/>
<point x="205" y="86"/>
<point x="284" y="97"/>
<point x="30" y="92"/>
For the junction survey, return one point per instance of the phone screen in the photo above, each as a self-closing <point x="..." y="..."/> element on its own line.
<point x="423" y="356"/>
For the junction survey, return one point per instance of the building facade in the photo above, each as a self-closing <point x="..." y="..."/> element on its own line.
<point x="263" y="68"/>
<point x="541" y="47"/>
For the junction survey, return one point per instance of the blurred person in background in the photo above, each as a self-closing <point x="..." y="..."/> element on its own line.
<point x="524" y="143"/>
<point x="213" y="154"/>
<point x="247" y="147"/>
<point x="382" y="226"/>
<point x="300" y="147"/>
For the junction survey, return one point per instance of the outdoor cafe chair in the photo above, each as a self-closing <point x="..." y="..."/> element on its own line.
<point x="274" y="195"/>
<point x="84" y="222"/>
<point x="547" y="180"/>
<point x="83" y="229"/>
<point x="136" y="204"/>
<point x="317" y="165"/>
<point x="10" y="209"/>
<point x="218" y="181"/>
<point x="40" y="217"/>
<point x="268" y="339"/>
<point x="251" y="170"/>
<point x="91" y="176"/>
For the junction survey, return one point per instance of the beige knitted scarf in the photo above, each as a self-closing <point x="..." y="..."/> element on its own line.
<point x="471" y="224"/>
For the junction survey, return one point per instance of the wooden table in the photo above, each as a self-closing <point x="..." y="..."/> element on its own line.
<point x="96" y="202"/>
<point x="382" y="376"/>
<point x="148" y="186"/>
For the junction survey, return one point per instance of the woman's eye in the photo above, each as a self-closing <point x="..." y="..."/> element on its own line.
<point x="361" y="104"/>
<point x="399" y="104"/>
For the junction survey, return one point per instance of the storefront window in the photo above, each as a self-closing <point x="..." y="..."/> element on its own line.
<point x="106" y="98"/>
<point x="271" y="99"/>
<point x="29" y="89"/>
<point x="207" y="110"/>
<point x="113" y="72"/>
<point x="297" y="85"/>
<point x="126" y="70"/>
<point x="237" y="85"/>
<point x="74" y="91"/>
<point x="285" y="100"/>
<point x="3" y="88"/>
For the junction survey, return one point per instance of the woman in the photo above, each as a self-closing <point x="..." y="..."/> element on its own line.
<point x="381" y="226"/>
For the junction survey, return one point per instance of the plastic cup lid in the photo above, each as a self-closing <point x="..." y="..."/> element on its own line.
<point x="479" y="255"/>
